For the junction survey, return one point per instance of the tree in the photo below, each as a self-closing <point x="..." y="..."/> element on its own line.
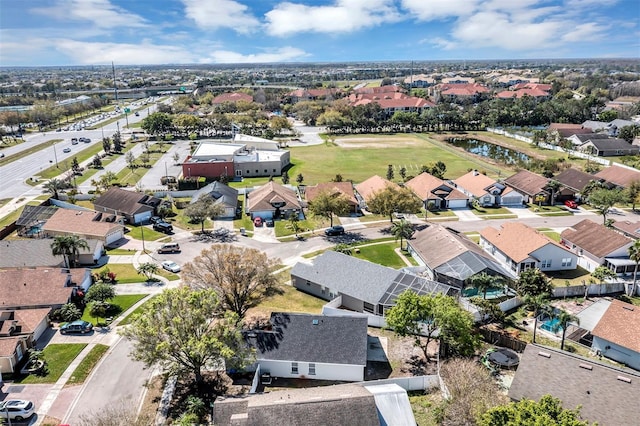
<point x="240" y="276"/>
<point x="634" y="254"/>
<point x="285" y="178"/>
<point x="54" y="186"/>
<point x="176" y="157"/>
<point x="157" y="124"/>
<point x="413" y="315"/>
<point x="548" y="411"/>
<point x="97" y="162"/>
<point x="106" y="145"/>
<point x="328" y="203"/>
<point x="69" y="247"/>
<point x="391" y="200"/>
<point x="484" y="282"/>
<point x="145" y="158"/>
<point x="177" y="331"/>
<point x="117" y="142"/>
<point x="343" y="248"/>
<point x="148" y="269"/>
<point x="131" y="160"/>
<point x="603" y="199"/>
<point x="402" y="230"/>
<point x="100" y="292"/>
<point x="202" y="209"/>
<point x="533" y="282"/>
<point x="601" y="273"/>
<point x="69" y="312"/>
<point x="75" y="166"/>
<point x="564" y="318"/>
<point x="632" y="193"/>
<point x="488" y="310"/>
<point x="539" y="304"/>
<point x="390" y="175"/>
<point x="299" y="179"/>
<point x="294" y="223"/>
<point x="98" y="310"/>
<point x="553" y="185"/>
<point x="629" y="133"/>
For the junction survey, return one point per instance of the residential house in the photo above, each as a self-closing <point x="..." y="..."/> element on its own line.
<point x="530" y="185"/>
<point x="273" y="201"/>
<point x="487" y="191"/>
<point x="136" y="207"/>
<point x="519" y="247"/>
<point x="606" y="395"/>
<point x="391" y="103"/>
<point x="376" y="90"/>
<point x="560" y="131"/>
<point x="460" y="92"/>
<point x="609" y="147"/>
<point x="335" y="189"/>
<point x="231" y="97"/>
<point x="580" y="139"/>
<point x="436" y="193"/>
<point x="451" y="257"/>
<point x="513" y="79"/>
<point x="362" y="286"/>
<point x="28" y="288"/>
<point x="627" y="228"/>
<point x="222" y="195"/>
<point x="614" y="126"/>
<point x="616" y="334"/>
<point x="596" y="126"/>
<point x="367" y="189"/>
<point x="354" y="404"/>
<point x="457" y="79"/>
<point x="35" y="253"/>
<point x="32" y="218"/>
<point x="19" y="331"/>
<point x="619" y="175"/>
<point x="86" y="224"/>
<point x="420" y="81"/>
<point x="311" y="347"/>
<point x="597" y="245"/>
<point x="573" y="182"/>
<point x="532" y="85"/>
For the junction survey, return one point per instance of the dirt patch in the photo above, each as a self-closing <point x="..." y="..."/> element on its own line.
<point x="405" y="359"/>
<point x="152" y="398"/>
<point x="442" y="137"/>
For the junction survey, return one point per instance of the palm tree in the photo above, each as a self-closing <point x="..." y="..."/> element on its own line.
<point x="634" y="254"/>
<point x="564" y="318"/>
<point x="554" y="186"/>
<point x="484" y="282"/>
<point x="402" y="230"/>
<point x="540" y="305"/>
<point x="53" y="187"/>
<point x="148" y="269"/>
<point x="69" y="247"/>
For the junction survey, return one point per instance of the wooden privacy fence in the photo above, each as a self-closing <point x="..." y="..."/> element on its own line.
<point x="502" y="339"/>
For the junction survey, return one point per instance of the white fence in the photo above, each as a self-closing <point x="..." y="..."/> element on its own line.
<point x="256" y="380"/>
<point x="372" y="320"/>
<point x="510" y="304"/>
<point x="589" y="290"/>
<point x="414" y="383"/>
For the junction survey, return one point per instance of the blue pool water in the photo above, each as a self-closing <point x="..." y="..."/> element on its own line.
<point x="549" y="324"/>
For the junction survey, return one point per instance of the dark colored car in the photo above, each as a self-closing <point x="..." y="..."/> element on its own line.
<point x="571" y="204"/>
<point x="269" y="223"/>
<point x="163" y="226"/>
<point x="334" y="230"/>
<point x="155" y="219"/>
<point x="79" y="326"/>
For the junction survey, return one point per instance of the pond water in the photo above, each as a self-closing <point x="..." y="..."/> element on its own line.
<point x="489" y="150"/>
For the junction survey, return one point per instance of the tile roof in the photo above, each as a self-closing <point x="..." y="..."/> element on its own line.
<point x="424" y="184"/>
<point x="595" y="238"/>
<point x="374" y="184"/>
<point x="312" y="338"/>
<point x="602" y="391"/>
<point x="231" y="97"/>
<point x="128" y="202"/>
<point x="81" y="222"/>
<point x="519" y="93"/>
<point x="527" y="182"/>
<point x="618" y="175"/>
<point x="517" y="240"/>
<point x="334" y="188"/>
<point x="575" y="179"/>
<point x="25" y="287"/>
<point x="262" y="198"/>
<point x="463" y="89"/>
<point x="379" y="89"/>
<point x="620" y="324"/>
<point x="475" y="183"/>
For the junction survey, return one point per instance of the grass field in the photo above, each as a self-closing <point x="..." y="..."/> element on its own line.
<point x="127" y="320"/>
<point x="291" y="300"/>
<point x="86" y="366"/>
<point x="135" y="232"/>
<point x="121" y="302"/>
<point x="382" y="254"/>
<point x="58" y="358"/>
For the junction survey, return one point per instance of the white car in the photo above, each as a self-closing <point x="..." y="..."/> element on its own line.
<point x="67" y="149"/>
<point x="16" y="409"/>
<point x="171" y="266"/>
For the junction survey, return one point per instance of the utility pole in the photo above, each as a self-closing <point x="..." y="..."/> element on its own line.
<point x="115" y="87"/>
<point x="55" y="155"/>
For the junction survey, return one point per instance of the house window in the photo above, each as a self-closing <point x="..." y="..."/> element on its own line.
<point x="256" y="170"/>
<point x="368" y="307"/>
<point x="274" y="170"/>
<point x="546" y="264"/>
<point x="265" y="170"/>
<point x="312" y="369"/>
<point x="294" y="368"/>
<point x="308" y="282"/>
<point x="238" y="172"/>
<point x="566" y="261"/>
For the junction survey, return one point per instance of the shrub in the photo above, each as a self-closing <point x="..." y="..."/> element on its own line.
<point x="69" y="312"/>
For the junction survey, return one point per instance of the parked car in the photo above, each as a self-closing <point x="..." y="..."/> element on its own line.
<point x="78" y="326"/>
<point x="16" y="409"/>
<point x="571" y="204"/>
<point x="169" y="248"/>
<point x="257" y="221"/>
<point x="155" y="219"/>
<point x="163" y="226"/>
<point x="334" y="230"/>
<point x="171" y="266"/>
<point x="269" y="223"/>
<point x="67" y="149"/>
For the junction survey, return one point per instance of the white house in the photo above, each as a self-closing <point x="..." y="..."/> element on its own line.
<point x="616" y="335"/>
<point x="312" y="347"/>
<point x="519" y="247"/>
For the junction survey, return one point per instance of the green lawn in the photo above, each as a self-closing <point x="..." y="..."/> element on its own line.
<point x="484" y="211"/>
<point x="126" y="273"/>
<point x="87" y="365"/>
<point x="130" y="177"/>
<point x="135" y="232"/>
<point x="127" y="320"/>
<point x="121" y="252"/>
<point x="553" y="235"/>
<point x="283" y="228"/>
<point x="58" y="358"/>
<point x="292" y="300"/>
<point x="427" y="407"/>
<point x="382" y="254"/>
<point x="121" y="303"/>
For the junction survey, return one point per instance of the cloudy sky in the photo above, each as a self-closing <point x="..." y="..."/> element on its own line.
<point x="93" y="32"/>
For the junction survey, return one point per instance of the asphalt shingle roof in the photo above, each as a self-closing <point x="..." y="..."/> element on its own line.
<point x="595" y="238"/>
<point x="620" y="324"/>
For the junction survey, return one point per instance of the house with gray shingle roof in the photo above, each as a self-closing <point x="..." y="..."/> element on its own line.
<point x="616" y="335"/>
<point x="609" y="147"/>
<point x="363" y="286"/>
<point x="606" y="394"/>
<point x="311" y="346"/>
<point x="222" y="195"/>
<point x="37" y="252"/>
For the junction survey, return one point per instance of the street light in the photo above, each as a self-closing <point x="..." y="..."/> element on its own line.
<point x="55" y="155"/>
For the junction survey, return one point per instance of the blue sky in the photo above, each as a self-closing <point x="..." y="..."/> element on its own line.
<point x="95" y="32"/>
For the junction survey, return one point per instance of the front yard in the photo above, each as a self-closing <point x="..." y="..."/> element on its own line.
<point x="58" y="358"/>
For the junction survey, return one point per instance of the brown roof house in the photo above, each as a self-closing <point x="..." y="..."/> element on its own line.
<point x="488" y="191"/>
<point x="597" y="245"/>
<point x="519" y="247"/>
<point x="231" y="97"/>
<point x="530" y="185"/>
<point x="18" y="332"/>
<point x="616" y="335"/>
<point x="28" y="288"/>
<point x="619" y="176"/>
<point x="136" y="207"/>
<point x="336" y="189"/>
<point x="366" y="189"/>
<point x="573" y="182"/>
<point x="87" y="224"/>
<point x="434" y="191"/>
<point x="607" y="395"/>
<point x="627" y="228"/>
<point x="452" y="258"/>
<point x="273" y="201"/>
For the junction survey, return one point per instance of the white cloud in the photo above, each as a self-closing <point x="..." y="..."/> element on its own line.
<point x="221" y="14"/>
<point x="343" y="16"/>
<point x="100" y="13"/>
<point x="282" y="54"/>
<point x="584" y="32"/>
<point x="428" y="10"/>
<point x="590" y="3"/>
<point x="442" y="43"/>
<point x="123" y="53"/>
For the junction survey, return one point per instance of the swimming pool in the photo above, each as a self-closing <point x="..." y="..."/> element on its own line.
<point x="550" y="324"/>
